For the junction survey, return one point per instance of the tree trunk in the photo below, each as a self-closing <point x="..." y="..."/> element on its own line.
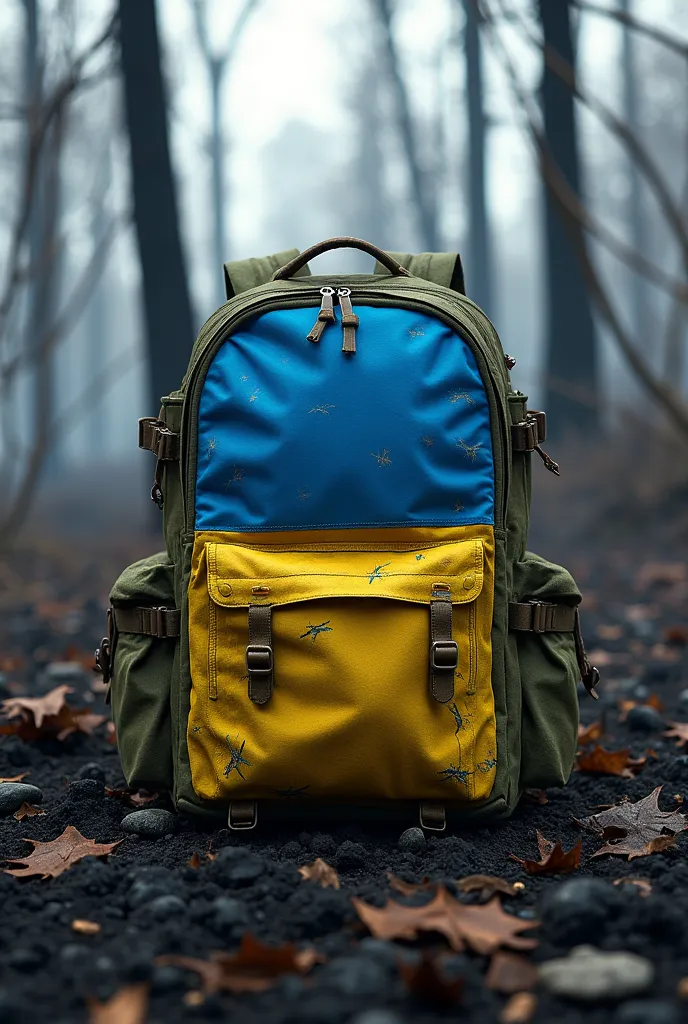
<point x="167" y="305"/>
<point x="570" y="346"/>
<point x="479" y="269"/>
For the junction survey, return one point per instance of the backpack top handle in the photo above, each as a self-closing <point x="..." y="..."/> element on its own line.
<point x="341" y="242"/>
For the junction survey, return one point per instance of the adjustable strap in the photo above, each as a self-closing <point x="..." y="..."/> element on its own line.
<point x="242" y="814"/>
<point x="260" y="662"/>
<point x="240" y="275"/>
<point x="530" y="432"/>
<point x="432" y="816"/>
<point x="161" y="622"/>
<point x="155" y="437"/>
<point x="444" y="651"/>
<point x="545" y="617"/>
<point x="442" y="268"/>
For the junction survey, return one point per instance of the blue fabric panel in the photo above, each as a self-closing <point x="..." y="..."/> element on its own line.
<point x="299" y="435"/>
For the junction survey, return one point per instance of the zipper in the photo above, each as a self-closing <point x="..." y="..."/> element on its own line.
<point x="325" y="316"/>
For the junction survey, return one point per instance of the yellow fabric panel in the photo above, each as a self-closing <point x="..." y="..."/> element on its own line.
<point x="351" y="715"/>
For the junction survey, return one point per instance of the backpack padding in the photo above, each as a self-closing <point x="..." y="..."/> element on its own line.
<point x="240" y="275"/>
<point x="443" y="268"/>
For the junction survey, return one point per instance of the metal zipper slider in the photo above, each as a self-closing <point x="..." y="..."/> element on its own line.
<point x="550" y="464"/>
<point x="325" y="316"/>
<point x="349" y="320"/>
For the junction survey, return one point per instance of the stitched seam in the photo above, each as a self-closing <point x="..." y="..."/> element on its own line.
<point x="345" y="546"/>
<point x="459" y="521"/>
<point x="327" y="595"/>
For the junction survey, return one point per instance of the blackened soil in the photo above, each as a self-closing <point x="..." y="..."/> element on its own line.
<point x="635" y="620"/>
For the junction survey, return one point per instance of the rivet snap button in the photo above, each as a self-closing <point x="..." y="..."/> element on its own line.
<point x="469" y="581"/>
<point x="225" y="589"/>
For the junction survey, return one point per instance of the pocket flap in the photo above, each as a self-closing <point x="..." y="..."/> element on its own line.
<point x="239" y="575"/>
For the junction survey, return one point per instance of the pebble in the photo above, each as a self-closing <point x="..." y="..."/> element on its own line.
<point x="246" y="872"/>
<point x="163" y="908"/>
<point x="412" y="839"/>
<point x="14" y="794"/>
<point x="228" y="913"/>
<point x="149" y="823"/>
<point x="92" y="770"/>
<point x="644" y="719"/>
<point x="350" y="856"/>
<point x="588" y="974"/>
<point x="168" y="979"/>
<point x="577" y="910"/>
<point x="646" y="1011"/>
<point x="355" y="976"/>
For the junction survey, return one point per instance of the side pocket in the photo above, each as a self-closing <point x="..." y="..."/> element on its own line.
<point x="549" y="677"/>
<point x="141" y="674"/>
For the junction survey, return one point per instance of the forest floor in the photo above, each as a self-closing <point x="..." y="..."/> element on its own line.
<point x="149" y="902"/>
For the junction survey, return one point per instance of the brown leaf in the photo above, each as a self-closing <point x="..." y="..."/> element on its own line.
<point x="636" y="829"/>
<point x="487" y="886"/>
<point x="625" y="706"/>
<point x="131" y="797"/>
<point x="483" y="928"/>
<point x="678" y="732"/>
<point x="644" y="885"/>
<point x="83" y="927"/>
<point x="253" y="968"/>
<point x="599" y="761"/>
<point x="409" y="888"/>
<point x="33" y="718"/>
<point x="15" y="778"/>
<point x="128" y="1006"/>
<point x="38" y="708"/>
<point x="320" y="871"/>
<point x="535" y="796"/>
<point x="48" y="860"/>
<point x="509" y="973"/>
<point x="554" y="860"/>
<point x="520" y="1009"/>
<point x="425" y="981"/>
<point x="195" y="861"/>
<point x="590" y="733"/>
<point x="111" y="734"/>
<point x="27" y="811"/>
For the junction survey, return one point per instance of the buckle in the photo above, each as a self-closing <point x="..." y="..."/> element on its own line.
<point x="242" y="814"/>
<point x="524" y="435"/>
<point x="542" y="617"/>
<point x="154" y="622"/>
<point x="103" y="654"/>
<point x="444" y="655"/>
<point x="432" y="816"/>
<point x="540" y="419"/>
<point x="155" y="437"/>
<point x="259" y="659"/>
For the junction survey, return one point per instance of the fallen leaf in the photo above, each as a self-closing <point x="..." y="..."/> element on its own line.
<point x="426" y="981"/>
<point x="111" y="734"/>
<point x="678" y="732"/>
<point x="131" y="797"/>
<point x="599" y="761"/>
<point x="410" y="888"/>
<point x="128" y="1006"/>
<point x="253" y="968"/>
<point x="27" y="811"/>
<point x="509" y="973"/>
<point x="644" y="885"/>
<point x="320" y="871"/>
<point x="48" y="860"/>
<point x="487" y="886"/>
<point x="678" y="798"/>
<point x="38" y="708"/>
<point x="34" y="718"/>
<point x="638" y="829"/>
<point x="195" y="861"/>
<point x="15" y="778"/>
<point x="520" y="1009"/>
<point x="668" y="653"/>
<point x="625" y="706"/>
<point x="554" y="860"/>
<point x="590" y="733"/>
<point x="483" y="928"/>
<point x="535" y="796"/>
<point x="83" y="927"/>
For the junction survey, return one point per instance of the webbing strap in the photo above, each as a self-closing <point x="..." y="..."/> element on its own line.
<point x="155" y="437"/>
<point x="444" y="651"/>
<point x="260" y="661"/>
<point x="240" y="275"/>
<point x="160" y="622"/>
<point x="542" y="617"/>
<point x="443" y="268"/>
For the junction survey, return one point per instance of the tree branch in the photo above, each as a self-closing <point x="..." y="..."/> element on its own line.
<point x="642" y="27"/>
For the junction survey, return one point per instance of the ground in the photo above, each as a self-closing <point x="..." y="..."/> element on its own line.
<point x="635" y="620"/>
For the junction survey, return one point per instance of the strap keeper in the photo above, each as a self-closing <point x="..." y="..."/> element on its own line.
<point x="155" y="437"/>
<point x="541" y="617"/>
<point x="530" y="432"/>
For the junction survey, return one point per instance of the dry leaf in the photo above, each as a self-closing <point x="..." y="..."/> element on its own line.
<point x="535" y="796"/>
<point x="425" y="981"/>
<point x="320" y="871"/>
<point x="599" y="761"/>
<point x="111" y="734"/>
<point x="636" y="829"/>
<point x="625" y="706"/>
<point x="410" y="888"/>
<point x="83" y="927"/>
<point x="678" y="731"/>
<point x="644" y="885"/>
<point x="27" y="811"/>
<point x="509" y="973"/>
<point x="131" y="797"/>
<point x="253" y="968"/>
<point x="15" y="778"/>
<point x="590" y="733"/>
<point x="483" y="928"/>
<point x="128" y="1006"/>
<point x="48" y="860"/>
<point x="486" y="886"/>
<point x="520" y="1009"/>
<point x="554" y="860"/>
<point x="47" y="716"/>
<point x="195" y="861"/>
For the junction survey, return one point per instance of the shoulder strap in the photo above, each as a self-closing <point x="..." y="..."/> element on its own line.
<point x="439" y="267"/>
<point x="240" y="275"/>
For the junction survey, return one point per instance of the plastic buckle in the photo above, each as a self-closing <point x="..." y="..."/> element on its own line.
<point x="432" y="817"/>
<point x="103" y="654"/>
<point x="524" y="435"/>
<point x="540" y="419"/>
<point x="444" y="655"/>
<point x="147" y="427"/>
<point x="259" y="659"/>
<point x="541" y="619"/>
<point x="242" y="815"/>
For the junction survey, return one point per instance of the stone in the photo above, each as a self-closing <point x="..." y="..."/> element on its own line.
<point x="151" y="823"/>
<point x="92" y="770"/>
<point x="412" y="839"/>
<point x="579" y="910"/>
<point x="644" y="719"/>
<point x="168" y="979"/>
<point x="86" y="790"/>
<point x="14" y="794"/>
<point x="588" y="974"/>
<point x="164" y="908"/>
<point x="646" y="1011"/>
<point x="246" y="872"/>
<point x="146" y="890"/>
<point x="350" y="856"/>
<point x="228" y="913"/>
<point x="355" y="976"/>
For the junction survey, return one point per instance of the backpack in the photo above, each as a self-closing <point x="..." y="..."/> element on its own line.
<point x="345" y="612"/>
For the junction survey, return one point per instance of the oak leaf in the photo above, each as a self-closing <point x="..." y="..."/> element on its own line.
<point x="599" y="761"/>
<point x="48" y="860"/>
<point x="636" y="829"/>
<point x="520" y="1009"/>
<point x="678" y="731"/>
<point x="321" y="872"/>
<point x="590" y="733"/>
<point x="482" y="928"/>
<point x="128" y="1006"/>
<point x="253" y="968"/>
<point x="509" y="973"/>
<point x="554" y="860"/>
<point x="34" y="718"/>
<point x="27" y="811"/>
<point x="426" y="981"/>
<point x="410" y="888"/>
<point x="487" y="886"/>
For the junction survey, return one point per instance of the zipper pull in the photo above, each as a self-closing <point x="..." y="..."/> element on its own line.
<point x="349" y="320"/>
<point x="325" y="316"/>
<point x="550" y="464"/>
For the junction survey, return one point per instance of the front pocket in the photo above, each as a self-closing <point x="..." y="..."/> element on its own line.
<point x="141" y="675"/>
<point x="351" y="713"/>
<point x="549" y="677"/>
